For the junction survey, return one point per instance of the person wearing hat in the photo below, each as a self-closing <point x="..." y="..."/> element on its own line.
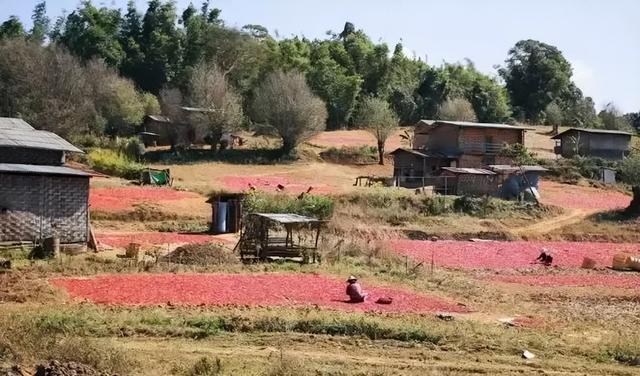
<point x="354" y="290"/>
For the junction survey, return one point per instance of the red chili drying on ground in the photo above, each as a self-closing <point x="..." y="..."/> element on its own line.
<point x="508" y="255"/>
<point x="577" y="197"/>
<point x="244" y="290"/>
<point x="115" y="199"/>
<point x="577" y="280"/>
<point x="270" y="183"/>
<point x="122" y="240"/>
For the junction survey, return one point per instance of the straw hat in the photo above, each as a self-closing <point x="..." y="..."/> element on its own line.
<point x="352" y="278"/>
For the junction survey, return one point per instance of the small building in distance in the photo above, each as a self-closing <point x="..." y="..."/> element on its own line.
<point x="458" y="144"/>
<point x="40" y="197"/>
<point x="588" y="142"/>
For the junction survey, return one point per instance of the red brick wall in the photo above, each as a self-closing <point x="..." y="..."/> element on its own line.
<point x="477" y="135"/>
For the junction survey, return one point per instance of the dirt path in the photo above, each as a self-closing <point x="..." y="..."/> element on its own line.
<point x="572" y="216"/>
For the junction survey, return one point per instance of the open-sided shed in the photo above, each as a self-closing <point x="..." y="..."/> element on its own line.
<point x="287" y="235"/>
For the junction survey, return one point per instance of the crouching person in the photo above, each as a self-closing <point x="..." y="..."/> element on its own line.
<point x="354" y="290"/>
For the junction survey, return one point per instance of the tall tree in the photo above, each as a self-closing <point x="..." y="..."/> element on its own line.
<point x="41" y="23"/>
<point x="12" y="28"/>
<point x="285" y="102"/>
<point x="221" y="106"/>
<point x="91" y="32"/>
<point x="535" y="74"/>
<point x="377" y="118"/>
<point x="457" y="109"/>
<point x="130" y="36"/>
<point x="160" y="45"/>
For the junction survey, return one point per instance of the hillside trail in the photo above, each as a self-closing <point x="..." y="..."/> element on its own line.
<point x="570" y="217"/>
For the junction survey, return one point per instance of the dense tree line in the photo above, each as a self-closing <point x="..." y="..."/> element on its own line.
<point x="113" y="63"/>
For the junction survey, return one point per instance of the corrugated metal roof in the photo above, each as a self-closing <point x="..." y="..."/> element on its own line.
<point x="468" y="171"/>
<point x="509" y="168"/>
<point x="41" y="170"/>
<point x="591" y="130"/>
<point x="467" y="124"/>
<point x="34" y="139"/>
<point x="14" y="123"/>
<point x="287" y="218"/>
<point x="424" y="153"/>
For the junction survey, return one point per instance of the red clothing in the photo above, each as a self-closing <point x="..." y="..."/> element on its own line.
<point x="354" y="290"/>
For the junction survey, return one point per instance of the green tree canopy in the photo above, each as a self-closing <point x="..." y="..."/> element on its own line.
<point x="375" y="115"/>
<point x="12" y="28"/>
<point x="535" y="74"/>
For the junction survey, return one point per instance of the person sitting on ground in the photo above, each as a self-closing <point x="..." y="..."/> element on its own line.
<point x="354" y="290"/>
<point x="545" y="257"/>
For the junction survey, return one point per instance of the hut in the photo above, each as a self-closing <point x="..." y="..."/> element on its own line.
<point x="226" y="212"/>
<point x="472" y="181"/>
<point x="588" y="142"/>
<point x="40" y="197"/>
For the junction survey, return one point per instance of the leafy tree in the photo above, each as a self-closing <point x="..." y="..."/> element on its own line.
<point x="47" y="87"/>
<point x="116" y="99"/>
<point x="401" y="84"/>
<point x="553" y="115"/>
<point x="582" y="114"/>
<point x="335" y="86"/>
<point x="91" y="32"/>
<point x="535" y="74"/>
<point x="612" y="118"/>
<point x="130" y="37"/>
<point x="630" y="171"/>
<point x="377" y="118"/>
<point x="40" y="23"/>
<point x="458" y="109"/>
<point x="160" y="44"/>
<point x="285" y="102"/>
<point x="12" y="28"/>
<point x="210" y="90"/>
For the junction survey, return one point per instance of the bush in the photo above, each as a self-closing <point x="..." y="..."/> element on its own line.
<point x="320" y="207"/>
<point x="114" y="163"/>
<point x="571" y="170"/>
<point x="519" y="154"/>
<point x="351" y="154"/>
<point x="206" y="367"/>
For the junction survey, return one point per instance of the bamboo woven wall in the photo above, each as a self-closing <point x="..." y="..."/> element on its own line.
<point x="39" y="206"/>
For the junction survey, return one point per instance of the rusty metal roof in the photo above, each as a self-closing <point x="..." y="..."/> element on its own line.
<point x="34" y="139"/>
<point x="41" y="170"/>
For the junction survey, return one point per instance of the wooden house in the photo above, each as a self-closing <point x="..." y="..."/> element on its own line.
<point x="40" y="197"/>
<point x="458" y="144"/>
<point x="588" y="142"/>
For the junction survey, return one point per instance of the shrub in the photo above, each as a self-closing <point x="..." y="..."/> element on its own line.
<point x="519" y="154"/>
<point x="206" y="367"/>
<point x="114" y="163"/>
<point x="320" y="207"/>
<point x="351" y="154"/>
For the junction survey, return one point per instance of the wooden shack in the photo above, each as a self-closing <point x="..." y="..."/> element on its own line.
<point x="40" y="197"/>
<point x="472" y="181"/>
<point x="588" y="142"/>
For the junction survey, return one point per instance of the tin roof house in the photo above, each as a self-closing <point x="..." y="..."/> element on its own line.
<point x="457" y="144"/>
<point x="40" y="197"/>
<point x="588" y="142"/>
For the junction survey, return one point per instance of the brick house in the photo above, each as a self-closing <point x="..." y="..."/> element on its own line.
<point x="458" y="144"/>
<point x="40" y="197"/>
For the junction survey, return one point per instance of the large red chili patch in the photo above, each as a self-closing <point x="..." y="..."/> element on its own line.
<point x="116" y="199"/>
<point x="577" y="197"/>
<point x="508" y="255"/>
<point x="627" y="281"/>
<point x="244" y="290"/>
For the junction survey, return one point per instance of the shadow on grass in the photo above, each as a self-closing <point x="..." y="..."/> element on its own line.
<point x="233" y="156"/>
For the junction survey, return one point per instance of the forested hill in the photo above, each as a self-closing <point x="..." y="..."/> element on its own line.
<point x="99" y="70"/>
